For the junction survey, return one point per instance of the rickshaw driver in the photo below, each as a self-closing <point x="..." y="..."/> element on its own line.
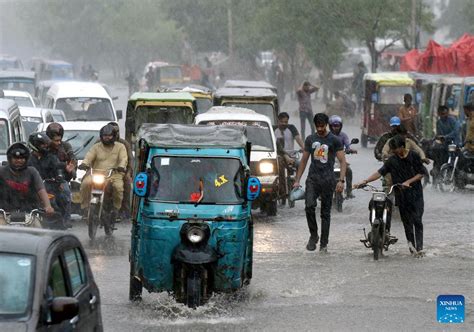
<point x="106" y="155"/>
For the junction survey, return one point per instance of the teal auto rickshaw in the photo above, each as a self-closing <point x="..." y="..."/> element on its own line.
<point x="192" y="231"/>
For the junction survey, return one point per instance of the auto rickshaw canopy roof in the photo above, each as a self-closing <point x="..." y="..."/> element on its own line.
<point x="390" y="78"/>
<point x="469" y="80"/>
<point x="192" y="136"/>
<point x="249" y="84"/>
<point x="244" y="93"/>
<point x="162" y="96"/>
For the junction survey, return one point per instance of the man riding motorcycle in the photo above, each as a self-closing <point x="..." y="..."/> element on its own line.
<point x="395" y="124"/>
<point x="466" y="158"/>
<point x="64" y="152"/>
<point x="51" y="171"/>
<point x="22" y="188"/>
<point x="335" y="126"/>
<point x="106" y="155"/>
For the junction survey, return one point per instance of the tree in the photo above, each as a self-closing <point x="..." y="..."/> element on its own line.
<point x="369" y="20"/>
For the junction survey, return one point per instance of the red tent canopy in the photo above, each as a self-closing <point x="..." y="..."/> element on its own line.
<point x="436" y="59"/>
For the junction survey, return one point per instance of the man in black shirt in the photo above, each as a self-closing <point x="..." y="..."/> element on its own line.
<point x="323" y="147"/>
<point x="21" y="186"/>
<point x="407" y="169"/>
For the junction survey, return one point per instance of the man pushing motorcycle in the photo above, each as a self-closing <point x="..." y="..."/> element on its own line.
<point x="106" y="155"/>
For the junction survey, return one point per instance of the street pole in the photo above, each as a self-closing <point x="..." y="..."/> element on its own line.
<point x="229" y="31"/>
<point x="413" y="24"/>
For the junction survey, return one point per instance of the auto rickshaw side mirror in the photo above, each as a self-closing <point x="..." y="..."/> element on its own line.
<point x="354" y="141"/>
<point x="140" y="184"/>
<point x="253" y="188"/>
<point x="375" y="97"/>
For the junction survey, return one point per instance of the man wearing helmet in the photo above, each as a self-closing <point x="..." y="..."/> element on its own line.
<point x="335" y="126"/>
<point x="63" y="151"/>
<point x="22" y="187"/>
<point x="106" y="155"/>
<point x="395" y="124"/>
<point x="52" y="171"/>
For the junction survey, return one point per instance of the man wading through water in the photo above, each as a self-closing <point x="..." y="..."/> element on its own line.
<point x="323" y="147"/>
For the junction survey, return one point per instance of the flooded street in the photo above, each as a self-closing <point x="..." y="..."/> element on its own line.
<point x="294" y="289"/>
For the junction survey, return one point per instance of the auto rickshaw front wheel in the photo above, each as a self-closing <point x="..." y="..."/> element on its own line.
<point x="136" y="287"/>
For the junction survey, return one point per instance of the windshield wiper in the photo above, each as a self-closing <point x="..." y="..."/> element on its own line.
<point x="71" y="138"/>
<point x="84" y="145"/>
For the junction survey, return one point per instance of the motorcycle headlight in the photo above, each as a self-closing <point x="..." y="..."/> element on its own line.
<point x="266" y="167"/>
<point x="195" y="235"/>
<point x="98" y="179"/>
<point x="378" y="197"/>
<point x="452" y="147"/>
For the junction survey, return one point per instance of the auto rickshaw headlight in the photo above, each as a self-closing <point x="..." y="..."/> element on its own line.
<point x="266" y="167"/>
<point x="195" y="235"/>
<point x="98" y="179"/>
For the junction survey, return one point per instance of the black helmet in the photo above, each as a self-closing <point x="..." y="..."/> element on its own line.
<point x="36" y="142"/>
<point x="54" y="129"/>
<point x="106" y="131"/>
<point x="116" y="129"/>
<point x="18" y="150"/>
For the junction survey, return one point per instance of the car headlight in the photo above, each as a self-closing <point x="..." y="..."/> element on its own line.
<point x="195" y="235"/>
<point x="266" y="167"/>
<point x="379" y="197"/>
<point x="98" y="179"/>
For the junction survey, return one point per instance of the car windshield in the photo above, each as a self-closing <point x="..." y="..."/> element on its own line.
<point x="170" y="73"/>
<point x="18" y="84"/>
<point x="392" y="95"/>
<point x="16" y="284"/>
<point x="86" y="109"/>
<point x="258" y="132"/>
<point x="4" y="140"/>
<point x="21" y="101"/>
<point x="264" y="109"/>
<point x="81" y="141"/>
<point x="183" y="179"/>
<point x="203" y="105"/>
<point x="163" y="114"/>
<point x="30" y="124"/>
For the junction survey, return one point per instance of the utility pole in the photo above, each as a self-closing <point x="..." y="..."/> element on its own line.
<point x="413" y="24"/>
<point x="230" y="38"/>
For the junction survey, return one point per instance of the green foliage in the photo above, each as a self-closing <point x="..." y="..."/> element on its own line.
<point x="457" y="16"/>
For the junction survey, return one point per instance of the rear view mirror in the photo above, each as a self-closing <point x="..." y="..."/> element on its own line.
<point x="354" y="141"/>
<point x="253" y="188"/>
<point x="375" y="97"/>
<point x="119" y="114"/>
<point x="140" y="184"/>
<point x="63" y="308"/>
<point x="4" y="163"/>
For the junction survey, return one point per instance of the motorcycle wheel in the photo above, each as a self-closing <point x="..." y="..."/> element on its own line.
<point x="135" y="291"/>
<point x="93" y="221"/>
<point x="376" y="241"/>
<point x="445" y="182"/>
<point x="193" y="290"/>
<point x="339" y="199"/>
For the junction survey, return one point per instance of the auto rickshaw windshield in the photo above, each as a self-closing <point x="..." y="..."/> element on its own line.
<point x="185" y="179"/>
<point x="391" y="95"/>
<point x="163" y="114"/>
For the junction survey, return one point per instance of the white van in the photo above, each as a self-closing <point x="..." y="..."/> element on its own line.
<point x="82" y="101"/>
<point x="263" y="157"/>
<point x="11" y="128"/>
<point x="31" y="117"/>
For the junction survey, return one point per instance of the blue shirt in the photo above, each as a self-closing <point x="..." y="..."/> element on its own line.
<point x="344" y="139"/>
<point x="449" y="128"/>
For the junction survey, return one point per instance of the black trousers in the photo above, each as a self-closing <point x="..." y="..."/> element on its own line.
<point x="303" y="117"/>
<point x="315" y="189"/>
<point x="348" y="180"/>
<point x="411" y="212"/>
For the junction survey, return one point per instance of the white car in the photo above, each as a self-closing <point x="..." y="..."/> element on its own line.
<point x="263" y="157"/>
<point x="21" y="98"/>
<point x="82" y="101"/>
<point x="82" y="136"/>
<point x="31" y="117"/>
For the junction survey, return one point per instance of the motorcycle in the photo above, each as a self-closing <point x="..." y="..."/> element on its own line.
<point x="380" y="207"/>
<point x="24" y="219"/>
<point x="451" y="176"/>
<point x="100" y="206"/>
<point x="338" y="197"/>
<point x="290" y="174"/>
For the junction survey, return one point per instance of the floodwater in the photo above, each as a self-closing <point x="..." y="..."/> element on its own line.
<point x="296" y="290"/>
